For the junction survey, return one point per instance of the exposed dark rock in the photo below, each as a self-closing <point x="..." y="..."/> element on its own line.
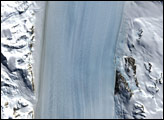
<point x="130" y="46"/>
<point x="24" y="37"/>
<point x="14" y="47"/>
<point x="4" y="84"/>
<point x="161" y="79"/>
<point x="148" y="68"/>
<point x="138" y="111"/>
<point x="130" y="60"/>
<point x="122" y="87"/>
<point x="16" y="108"/>
<point x="140" y="33"/>
<point x="22" y="105"/>
<point x="136" y="81"/>
<point x="20" y="61"/>
<point x="20" y="12"/>
<point x="130" y="63"/>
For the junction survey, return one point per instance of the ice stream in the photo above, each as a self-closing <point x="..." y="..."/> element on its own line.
<point x="77" y="76"/>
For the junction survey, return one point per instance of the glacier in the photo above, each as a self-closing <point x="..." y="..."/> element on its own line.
<point x="77" y="74"/>
<point x="82" y="59"/>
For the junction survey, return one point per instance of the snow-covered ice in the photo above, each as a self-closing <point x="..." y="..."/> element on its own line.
<point x="141" y="41"/>
<point x="17" y="39"/>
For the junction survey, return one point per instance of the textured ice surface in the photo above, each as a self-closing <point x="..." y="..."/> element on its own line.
<point x="77" y="73"/>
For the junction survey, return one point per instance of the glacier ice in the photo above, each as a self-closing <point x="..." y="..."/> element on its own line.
<point x="77" y="74"/>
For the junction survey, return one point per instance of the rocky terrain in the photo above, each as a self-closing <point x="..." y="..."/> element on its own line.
<point x="17" y="39"/>
<point x="139" y="62"/>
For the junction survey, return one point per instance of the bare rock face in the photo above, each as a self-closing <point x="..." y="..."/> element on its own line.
<point x="130" y="68"/>
<point x="138" y="111"/>
<point x="122" y="87"/>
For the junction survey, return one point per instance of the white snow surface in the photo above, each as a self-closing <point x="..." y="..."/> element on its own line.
<point x="17" y="39"/>
<point x="141" y="38"/>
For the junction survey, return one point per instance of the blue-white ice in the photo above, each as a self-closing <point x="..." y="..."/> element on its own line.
<point x="78" y="72"/>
